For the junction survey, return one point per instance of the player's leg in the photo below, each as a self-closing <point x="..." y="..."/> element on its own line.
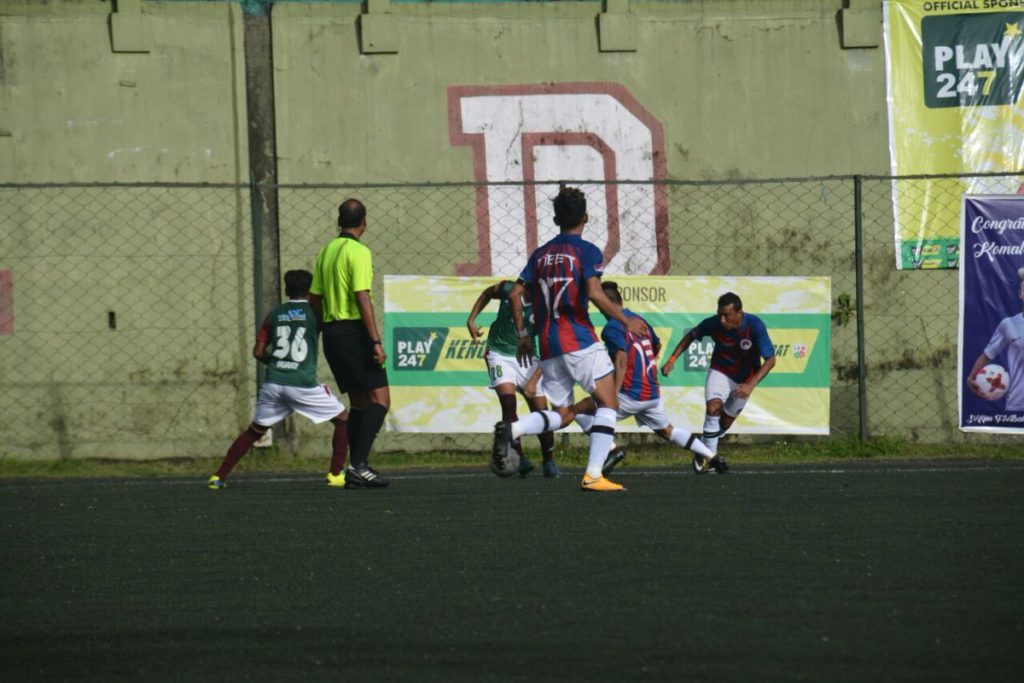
<point x="349" y="352"/>
<point x="730" y="411"/>
<point x="592" y="369"/>
<point x="602" y="435"/>
<point x="504" y="373"/>
<point x="627" y="408"/>
<point x="717" y="390"/>
<point x="271" y="408"/>
<point x="546" y="439"/>
<point x="584" y="413"/>
<point x="558" y="386"/>
<point x="369" y="408"/>
<point x="689" y="441"/>
<point x="238" y="448"/>
<point x="532" y="391"/>
<point x="339" y="450"/>
<point x="319" y="405"/>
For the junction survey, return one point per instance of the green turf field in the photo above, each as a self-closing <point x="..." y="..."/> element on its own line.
<point x="856" y="571"/>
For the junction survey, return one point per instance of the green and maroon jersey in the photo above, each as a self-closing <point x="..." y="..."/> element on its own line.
<point x="291" y="335"/>
<point x="502" y="336"/>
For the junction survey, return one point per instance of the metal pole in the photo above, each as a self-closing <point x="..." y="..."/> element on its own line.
<point x="862" y="380"/>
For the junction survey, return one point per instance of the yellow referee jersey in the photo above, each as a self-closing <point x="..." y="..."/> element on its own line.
<point x="343" y="267"/>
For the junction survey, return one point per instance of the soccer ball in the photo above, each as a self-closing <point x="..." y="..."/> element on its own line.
<point x="993" y="381"/>
<point x="506" y="466"/>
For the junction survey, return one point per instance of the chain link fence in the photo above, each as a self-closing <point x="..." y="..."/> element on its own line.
<point x="132" y="307"/>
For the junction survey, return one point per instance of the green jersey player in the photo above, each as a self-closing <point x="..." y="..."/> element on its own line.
<point x="507" y="375"/>
<point x="287" y="343"/>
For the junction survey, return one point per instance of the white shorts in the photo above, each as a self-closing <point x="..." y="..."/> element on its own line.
<point x="583" y="367"/>
<point x="647" y="413"/>
<point x="504" y="369"/>
<point x="719" y="386"/>
<point x="277" y="401"/>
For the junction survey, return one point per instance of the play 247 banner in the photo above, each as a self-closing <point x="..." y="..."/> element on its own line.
<point x="438" y="376"/>
<point x="992" y="315"/>
<point x="954" y="74"/>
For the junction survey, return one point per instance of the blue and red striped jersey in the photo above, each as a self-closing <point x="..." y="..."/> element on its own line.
<point x="557" y="274"/>
<point x="738" y="352"/>
<point x="641" y="380"/>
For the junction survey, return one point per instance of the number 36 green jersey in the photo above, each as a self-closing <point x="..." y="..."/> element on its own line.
<point x="291" y="336"/>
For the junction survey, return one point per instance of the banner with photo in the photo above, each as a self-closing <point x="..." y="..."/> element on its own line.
<point x="991" y="359"/>
<point x="438" y="376"/>
<point x="954" y="76"/>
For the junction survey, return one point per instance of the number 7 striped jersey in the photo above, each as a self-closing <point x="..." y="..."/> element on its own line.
<point x="557" y="274"/>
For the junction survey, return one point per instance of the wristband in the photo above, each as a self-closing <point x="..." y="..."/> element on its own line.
<point x="673" y="358"/>
<point x="522" y="334"/>
<point x="376" y="341"/>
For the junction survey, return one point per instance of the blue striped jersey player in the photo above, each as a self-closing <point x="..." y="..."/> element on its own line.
<point x="635" y="357"/>
<point x="742" y="357"/>
<point x="563" y="277"/>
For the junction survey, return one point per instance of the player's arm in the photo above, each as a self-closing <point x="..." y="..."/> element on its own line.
<point x="683" y="344"/>
<point x="619" y="360"/>
<point x="259" y="349"/>
<point x="316" y="302"/>
<point x="525" y="351"/>
<point x="611" y="310"/>
<point x="492" y="292"/>
<point x="316" y="294"/>
<point x="365" y="305"/>
<point x="747" y="388"/>
<point x="972" y="376"/>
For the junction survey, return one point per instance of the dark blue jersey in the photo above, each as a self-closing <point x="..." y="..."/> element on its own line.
<point x="641" y="380"/>
<point x="557" y="275"/>
<point x="738" y="352"/>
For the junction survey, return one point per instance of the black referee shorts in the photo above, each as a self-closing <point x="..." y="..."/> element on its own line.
<point x="349" y="352"/>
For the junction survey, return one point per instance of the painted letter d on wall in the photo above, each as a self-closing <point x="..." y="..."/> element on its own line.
<point x="532" y="136"/>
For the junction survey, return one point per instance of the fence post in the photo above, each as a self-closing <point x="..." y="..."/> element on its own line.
<point x="862" y="382"/>
<point x="259" y="98"/>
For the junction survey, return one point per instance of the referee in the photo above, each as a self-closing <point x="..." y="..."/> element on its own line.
<point x="340" y="296"/>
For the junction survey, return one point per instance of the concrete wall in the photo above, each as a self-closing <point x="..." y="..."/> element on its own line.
<point x="743" y="89"/>
<point x="730" y="89"/>
<point x="132" y="306"/>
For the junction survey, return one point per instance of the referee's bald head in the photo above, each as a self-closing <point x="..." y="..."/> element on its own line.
<point x="351" y="213"/>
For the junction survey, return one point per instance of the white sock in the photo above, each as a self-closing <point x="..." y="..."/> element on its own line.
<point x="711" y="426"/>
<point x="537" y="423"/>
<point x="585" y="421"/>
<point x="682" y="437"/>
<point x="602" y="436"/>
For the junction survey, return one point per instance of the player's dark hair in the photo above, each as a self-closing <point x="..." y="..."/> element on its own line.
<point x="611" y="290"/>
<point x="570" y="207"/>
<point x="351" y="213"/>
<point x="730" y="299"/>
<point x="297" y="282"/>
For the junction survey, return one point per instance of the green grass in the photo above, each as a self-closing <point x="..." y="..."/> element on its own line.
<point x="643" y="452"/>
<point x="870" y="571"/>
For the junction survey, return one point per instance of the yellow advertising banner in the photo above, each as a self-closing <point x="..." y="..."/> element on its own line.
<point x="954" y="75"/>
<point x="438" y="375"/>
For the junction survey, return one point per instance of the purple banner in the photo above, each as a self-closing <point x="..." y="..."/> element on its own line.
<point x="991" y="361"/>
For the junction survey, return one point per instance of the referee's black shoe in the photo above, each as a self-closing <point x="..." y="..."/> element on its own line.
<point x="364" y="478"/>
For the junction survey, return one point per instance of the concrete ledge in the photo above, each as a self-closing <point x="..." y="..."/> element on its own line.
<point x="378" y="34"/>
<point x="130" y="32"/>
<point x="617" y="32"/>
<point x="860" y="27"/>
